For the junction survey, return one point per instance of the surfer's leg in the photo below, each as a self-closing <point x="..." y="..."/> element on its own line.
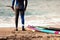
<point x="22" y="20"/>
<point x="16" y="18"/>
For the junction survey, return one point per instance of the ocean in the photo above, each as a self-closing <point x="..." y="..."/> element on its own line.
<point x="39" y="12"/>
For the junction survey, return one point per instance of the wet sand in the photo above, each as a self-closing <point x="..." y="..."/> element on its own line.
<point x="11" y="34"/>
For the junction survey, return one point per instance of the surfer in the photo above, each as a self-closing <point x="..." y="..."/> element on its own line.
<point x="20" y="8"/>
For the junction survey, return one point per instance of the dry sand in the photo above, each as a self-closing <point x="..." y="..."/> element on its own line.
<point x="11" y="34"/>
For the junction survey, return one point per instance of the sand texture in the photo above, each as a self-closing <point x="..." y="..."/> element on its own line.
<point x="11" y="34"/>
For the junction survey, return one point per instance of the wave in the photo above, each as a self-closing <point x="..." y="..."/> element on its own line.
<point x="39" y="12"/>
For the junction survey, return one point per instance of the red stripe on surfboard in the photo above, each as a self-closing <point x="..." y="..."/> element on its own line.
<point x="57" y="32"/>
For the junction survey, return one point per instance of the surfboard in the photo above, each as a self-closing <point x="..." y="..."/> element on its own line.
<point x="49" y="28"/>
<point x="44" y="30"/>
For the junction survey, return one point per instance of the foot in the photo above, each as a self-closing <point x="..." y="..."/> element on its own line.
<point x="23" y="30"/>
<point x="16" y="29"/>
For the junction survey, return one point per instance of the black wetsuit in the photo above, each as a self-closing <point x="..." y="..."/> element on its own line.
<point x="20" y="4"/>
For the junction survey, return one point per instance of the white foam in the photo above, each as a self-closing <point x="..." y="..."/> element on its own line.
<point x="38" y="22"/>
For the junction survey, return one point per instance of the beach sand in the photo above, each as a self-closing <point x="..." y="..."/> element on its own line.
<point x="11" y="34"/>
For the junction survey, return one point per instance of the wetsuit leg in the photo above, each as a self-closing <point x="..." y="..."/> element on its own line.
<point x="22" y="20"/>
<point x="16" y="18"/>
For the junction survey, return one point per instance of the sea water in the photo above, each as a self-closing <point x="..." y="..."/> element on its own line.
<point x="40" y="12"/>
